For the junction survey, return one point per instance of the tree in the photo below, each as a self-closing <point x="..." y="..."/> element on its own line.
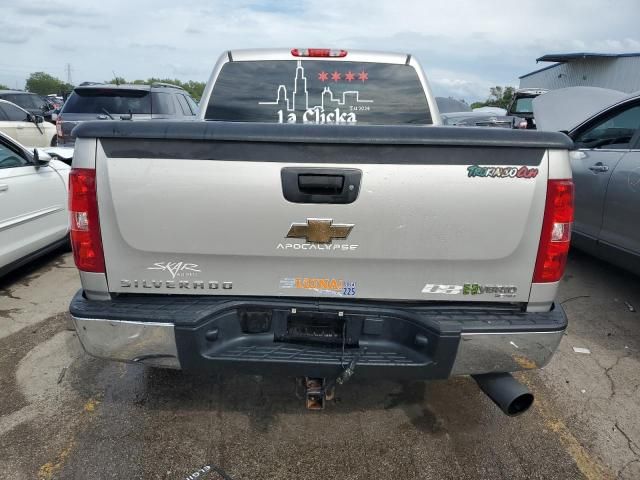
<point x="117" y="81"/>
<point x="194" y="88"/>
<point x="498" y="97"/>
<point x="4" y="87"/>
<point x="44" y="84"/>
<point x="501" y="96"/>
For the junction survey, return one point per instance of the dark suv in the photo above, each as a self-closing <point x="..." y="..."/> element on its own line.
<point x="123" y="102"/>
<point x="32" y="103"/>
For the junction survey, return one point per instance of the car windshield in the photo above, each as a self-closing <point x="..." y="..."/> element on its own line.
<point x="318" y="92"/>
<point x="97" y="100"/>
<point x="523" y="105"/>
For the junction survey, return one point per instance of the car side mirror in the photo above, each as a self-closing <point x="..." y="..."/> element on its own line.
<point x="38" y="119"/>
<point x="40" y="159"/>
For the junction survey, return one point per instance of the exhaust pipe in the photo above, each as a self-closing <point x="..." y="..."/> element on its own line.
<point x="511" y="396"/>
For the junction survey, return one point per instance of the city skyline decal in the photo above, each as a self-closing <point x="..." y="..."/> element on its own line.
<point x="349" y="100"/>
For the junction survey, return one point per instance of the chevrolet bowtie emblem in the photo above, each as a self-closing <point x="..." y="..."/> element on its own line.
<point x="318" y="230"/>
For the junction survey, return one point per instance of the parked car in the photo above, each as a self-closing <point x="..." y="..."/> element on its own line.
<point x="64" y="154"/>
<point x="92" y="101"/>
<point x="34" y="217"/>
<point x="501" y="112"/>
<point x="451" y="105"/>
<point x="24" y="127"/>
<point x="53" y="103"/>
<point x="521" y="106"/>
<point x="457" y="113"/>
<point x="314" y="227"/>
<point x="605" y="127"/>
<point x="477" y="119"/>
<point x="31" y="102"/>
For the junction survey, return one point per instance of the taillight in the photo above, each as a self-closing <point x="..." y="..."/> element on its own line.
<point x="317" y="52"/>
<point x="85" y="227"/>
<point x="556" y="232"/>
<point x="59" y="127"/>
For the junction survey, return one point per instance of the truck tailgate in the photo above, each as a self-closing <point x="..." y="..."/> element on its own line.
<point x="430" y="213"/>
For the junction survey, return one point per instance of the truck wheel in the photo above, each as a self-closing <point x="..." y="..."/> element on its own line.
<point x="54" y="141"/>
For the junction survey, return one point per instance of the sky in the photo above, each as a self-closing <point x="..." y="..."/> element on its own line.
<point x="464" y="46"/>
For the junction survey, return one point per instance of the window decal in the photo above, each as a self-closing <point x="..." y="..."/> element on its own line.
<point x="295" y="106"/>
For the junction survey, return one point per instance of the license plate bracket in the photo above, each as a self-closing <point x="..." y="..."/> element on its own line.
<point x="316" y="328"/>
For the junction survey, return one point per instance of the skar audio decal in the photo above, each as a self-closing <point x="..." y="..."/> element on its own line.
<point x="177" y="269"/>
<point x="501" y="172"/>
<point x="329" y="286"/>
<point x="183" y="276"/>
<point x="334" y="108"/>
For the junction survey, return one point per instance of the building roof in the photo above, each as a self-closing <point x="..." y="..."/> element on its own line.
<point x="566" y="57"/>
<point x="539" y="70"/>
<point x="560" y="58"/>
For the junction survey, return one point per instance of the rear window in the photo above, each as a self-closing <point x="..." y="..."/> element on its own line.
<point x="13" y="113"/>
<point x="192" y="104"/>
<point x="318" y="92"/>
<point x="523" y="105"/>
<point x="163" y="103"/>
<point x="112" y="101"/>
<point x="184" y="106"/>
<point x="24" y="100"/>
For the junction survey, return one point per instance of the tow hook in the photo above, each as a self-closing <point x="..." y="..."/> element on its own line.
<point x="317" y="392"/>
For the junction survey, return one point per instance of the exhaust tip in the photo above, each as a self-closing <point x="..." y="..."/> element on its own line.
<point x="511" y="396"/>
<point x="520" y="404"/>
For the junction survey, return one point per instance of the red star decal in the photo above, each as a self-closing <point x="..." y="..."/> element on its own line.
<point x="349" y="76"/>
<point x="323" y="76"/>
<point x="335" y="76"/>
<point x="364" y="76"/>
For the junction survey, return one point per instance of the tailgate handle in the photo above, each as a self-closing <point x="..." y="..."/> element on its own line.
<point x="320" y="185"/>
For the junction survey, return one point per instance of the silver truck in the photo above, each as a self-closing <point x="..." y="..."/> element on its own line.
<point x="318" y="222"/>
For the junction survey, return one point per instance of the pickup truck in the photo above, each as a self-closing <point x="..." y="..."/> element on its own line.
<point x="318" y="222"/>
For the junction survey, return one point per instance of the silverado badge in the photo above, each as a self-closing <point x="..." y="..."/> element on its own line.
<point x="318" y="230"/>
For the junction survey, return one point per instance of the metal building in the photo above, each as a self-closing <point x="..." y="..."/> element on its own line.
<point x="606" y="70"/>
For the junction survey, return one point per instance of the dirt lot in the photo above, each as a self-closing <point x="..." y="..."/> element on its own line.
<point x="64" y="415"/>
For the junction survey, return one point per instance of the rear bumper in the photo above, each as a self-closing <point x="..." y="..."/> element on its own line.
<point x="253" y="335"/>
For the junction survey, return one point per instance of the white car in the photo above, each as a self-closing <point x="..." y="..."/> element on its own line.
<point x="34" y="216"/>
<point x="26" y="128"/>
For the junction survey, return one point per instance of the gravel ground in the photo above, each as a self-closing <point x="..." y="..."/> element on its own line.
<point x="65" y="415"/>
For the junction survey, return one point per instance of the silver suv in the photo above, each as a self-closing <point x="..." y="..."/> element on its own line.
<point x="96" y="101"/>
